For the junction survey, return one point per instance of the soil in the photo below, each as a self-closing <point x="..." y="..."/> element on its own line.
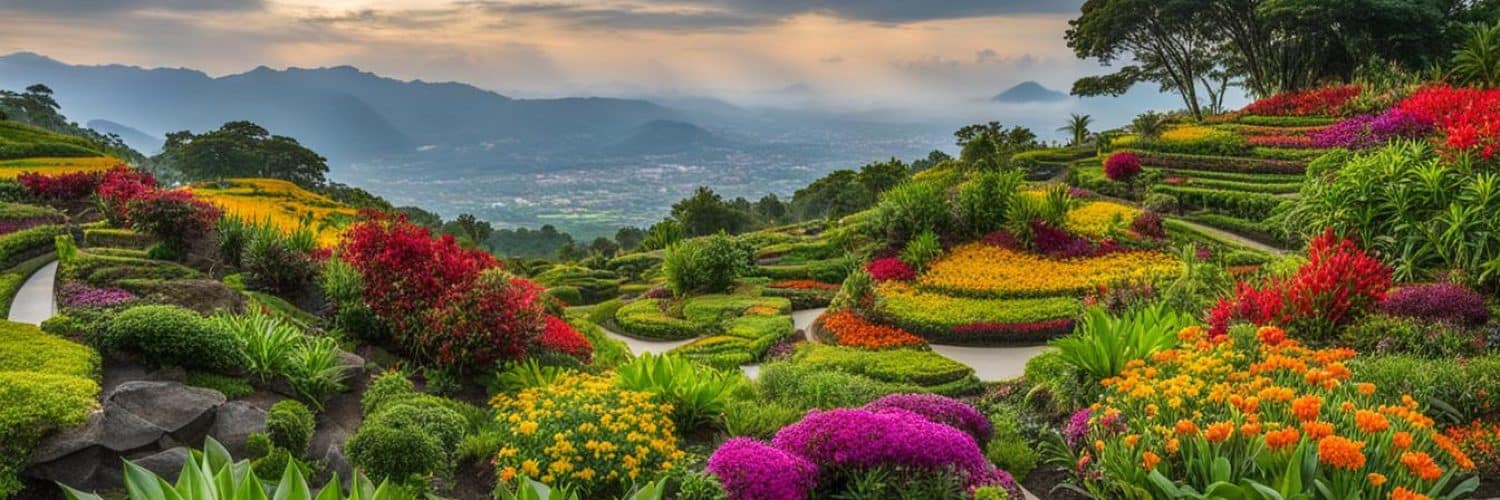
<point x="1044" y="478"/>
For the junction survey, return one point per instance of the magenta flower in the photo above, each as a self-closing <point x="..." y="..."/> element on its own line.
<point x="1368" y="131"/>
<point x="1437" y="302"/>
<point x="947" y="411"/>
<point x="850" y="439"/>
<point x="74" y="294"/>
<point x="1077" y="428"/>
<point x="752" y="470"/>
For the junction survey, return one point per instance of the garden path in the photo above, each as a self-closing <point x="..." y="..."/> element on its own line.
<point x="1235" y="238"/>
<point x="35" y="302"/>
<point x="801" y="320"/>
<point x="992" y="363"/>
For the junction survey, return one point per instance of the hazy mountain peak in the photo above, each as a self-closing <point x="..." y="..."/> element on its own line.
<point x="1029" y="91"/>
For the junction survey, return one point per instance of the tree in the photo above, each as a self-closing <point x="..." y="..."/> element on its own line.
<point x="705" y="213"/>
<point x="834" y="195"/>
<point x="470" y="230"/>
<point x="1077" y="129"/>
<point x="629" y="237"/>
<point x="989" y="146"/>
<point x="1149" y="125"/>
<point x="770" y="208"/>
<point x="604" y="247"/>
<point x="1166" y="38"/>
<point x="421" y="217"/>
<point x="242" y="149"/>
<point x="880" y="176"/>
<point x="933" y="158"/>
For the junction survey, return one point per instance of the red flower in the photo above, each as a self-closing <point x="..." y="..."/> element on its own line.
<point x="1122" y="166"/>
<point x="560" y="337"/>
<point x="1323" y="101"/>
<point x="890" y="268"/>
<point x="1468" y="118"/>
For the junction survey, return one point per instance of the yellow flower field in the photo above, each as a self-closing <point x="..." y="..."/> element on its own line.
<point x="977" y="269"/>
<point x="1093" y="219"/>
<point x="1193" y="134"/>
<point x="9" y="169"/>
<point x="283" y="203"/>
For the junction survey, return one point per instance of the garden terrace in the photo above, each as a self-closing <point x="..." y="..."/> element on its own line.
<point x="284" y="205"/>
<point x="24" y="148"/>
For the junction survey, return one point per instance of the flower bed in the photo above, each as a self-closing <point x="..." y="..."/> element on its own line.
<point x="1468" y="118"/>
<point x="971" y="320"/>
<point x="1239" y="164"/>
<point x="848" y="329"/>
<point x="1095" y="219"/>
<point x="1256" y="407"/>
<point x="1368" y="131"/>
<point x="926" y="369"/>
<point x="1326" y="101"/>
<point x="979" y="270"/>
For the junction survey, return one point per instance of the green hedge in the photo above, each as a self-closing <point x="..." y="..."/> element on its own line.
<point x="1183" y="234"/>
<point x="1256" y="230"/>
<point x="920" y="367"/>
<point x="1287" y="121"/>
<point x="1249" y="177"/>
<point x="1460" y="391"/>
<point x="745" y="340"/>
<point x="802" y="298"/>
<point x="22" y="211"/>
<point x="116" y="238"/>
<point x="801" y="251"/>
<point x="1248" y="187"/>
<point x="645" y="318"/>
<point x="102" y="270"/>
<point x="827" y="271"/>
<point x="805" y="387"/>
<point x="714" y="309"/>
<point x="635" y="265"/>
<point x="1235" y="203"/>
<point x="935" y="315"/>
<point x="1172" y="161"/>
<point x="27" y="243"/>
<point x="12" y="279"/>
<point x="46" y="384"/>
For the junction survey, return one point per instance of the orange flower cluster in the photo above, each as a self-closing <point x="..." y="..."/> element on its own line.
<point x="804" y="285"/>
<point x="1288" y="402"/>
<point x="851" y="330"/>
<point x="1481" y="442"/>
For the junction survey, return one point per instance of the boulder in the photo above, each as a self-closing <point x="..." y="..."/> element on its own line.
<point x="235" y="422"/>
<point x="353" y="363"/>
<point x="166" y="464"/>
<point x="183" y="411"/>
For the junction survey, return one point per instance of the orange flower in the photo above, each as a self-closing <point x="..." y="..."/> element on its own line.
<point x="1150" y="460"/>
<point x="1376" y="479"/>
<point x="1365" y="388"/>
<point x="1186" y="427"/>
<point x="1219" y="432"/>
<point x="851" y="330"/>
<point x="1317" y="430"/>
<point x="1421" y="465"/>
<point x="1173" y="445"/>
<point x="1401" y="493"/>
<point x="1402" y="440"/>
<point x="1250" y="429"/>
<point x="1132" y="439"/>
<point x="1270" y="335"/>
<point x="1282" y="438"/>
<point x="1452" y="450"/>
<point x="1307" y="407"/>
<point x="1342" y="453"/>
<point x="1371" y="422"/>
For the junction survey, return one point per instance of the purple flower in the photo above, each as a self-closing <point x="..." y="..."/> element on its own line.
<point x="75" y="294"/>
<point x="1367" y="131"/>
<point x="1078" y="427"/>
<point x="1437" y="302"/>
<point x="947" y="411"/>
<point x="856" y="439"/>
<point x="1057" y="243"/>
<point x="752" y="470"/>
<point x="17" y="225"/>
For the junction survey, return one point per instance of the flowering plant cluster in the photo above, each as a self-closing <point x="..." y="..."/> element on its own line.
<point x="77" y="294"/>
<point x="803" y="285"/>
<point x="1368" y="131"/>
<point x="1096" y="219"/>
<point x="849" y="329"/>
<point x="118" y="186"/>
<point x="1058" y="243"/>
<point x="173" y="217"/>
<point x="1468" y="118"/>
<point x="1338" y="283"/>
<point x="890" y="268"/>
<point x="71" y="186"/>
<point x="977" y="269"/>
<point x="1122" y="166"/>
<point x="560" y="337"/>
<point x="1446" y="302"/>
<point x="1481" y="442"/>
<point x="910" y="433"/>
<point x="1281" y="141"/>
<point x="493" y="318"/>
<point x="583" y="432"/>
<point x="1326" y="101"/>
<point x="18" y="225"/>
<point x="752" y="470"/>
<point x="1257" y="409"/>
<point x="1148" y="224"/>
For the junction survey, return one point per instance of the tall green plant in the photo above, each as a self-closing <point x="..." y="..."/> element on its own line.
<point x="1477" y="61"/>
<point x="1149" y="125"/>
<point x="912" y="207"/>
<point x="698" y="394"/>
<point x="267" y="342"/>
<point x="922" y="249"/>
<point x="1077" y="128"/>
<point x="708" y="264"/>
<point x="1102" y="344"/>
<point x="982" y="202"/>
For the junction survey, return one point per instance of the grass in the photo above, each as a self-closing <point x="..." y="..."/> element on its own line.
<point x="1247" y="187"/>
<point x="1226" y="176"/>
<point x="280" y="308"/>
<point x="897" y="366"/>
<point x="10" y="169"/>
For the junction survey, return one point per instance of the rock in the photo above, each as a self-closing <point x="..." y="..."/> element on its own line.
<point x="166" y="464"/>
<point x="205" y="296"/>
<point x="334" y="462"/>
<point x="183" y="411"/>
<point x="235" y="422"/>
<point x="353" y="363"/>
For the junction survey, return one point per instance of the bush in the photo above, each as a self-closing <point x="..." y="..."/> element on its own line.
<point x="561" y="338"/>
<point x="705" y="265"/>
<point x="1460" y="390"/>
<point x="697" y="394"/>
<point x="32" y="405"/>
<point x="922" y="249"/>
<point x="1013" y="454"/>
<point x="899" y="366"/>
<point x="646" y="318"/>
<point x="1122" y="166"/>
<point x="566" y="294"/>
<point x="1442" y="302"/>
<point x="419" y="416"/>
<point x="386" y="453"/>
<point x="1254" y="206"/>
<point x="289" y="425"/>
<point x="951" y="412"/>
<point x="750" y="469"/>
<point x="19" y="246"/>
<point x="173" y="336"/>
<point x="272" y="264"/>
<point x="1381" y="334"/>
<point x="911" y="208"/>
<point x="758" y="419"/>
<point x="173" y="217"/>
<point x="386" y="388"/>
<point x="803" y="387"/>
<point x="983" y="200"/>
<point x="700" y="486"/>
<point x="473" y="327"/>
<point x="1323" y="101"/>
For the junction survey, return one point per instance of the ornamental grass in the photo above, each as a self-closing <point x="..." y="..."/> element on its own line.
<point x="1258" y="410"/>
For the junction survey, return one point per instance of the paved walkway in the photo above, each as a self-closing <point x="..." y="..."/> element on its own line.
<point x="992" y="363"/>
<point x="1233" y="237"/>
<point x="35" y="302"/>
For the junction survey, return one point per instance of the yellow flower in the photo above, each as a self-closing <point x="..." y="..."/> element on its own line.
<point x="530" y="467"/>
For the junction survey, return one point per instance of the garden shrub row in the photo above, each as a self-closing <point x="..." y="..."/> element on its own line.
<point x="27" y="243"/>
<point x="577" y="285"/>
<point x="941" y="317"/>
<point x="647" y="318"/>
<point x="111" y="271"/>
<point x="115" y="238"/>
<point x="634" y="265"/>
<point x="44" y="150"/>
<point x="1286" y="154"/>
<point x="802" y="298"/>
<point x="827" y="271"/>
<point x="1185" y="234"/>
<point x="714" y="309"/>
<point x="21" y="211"/>
<point x="1247" y="177"/>
<point x="1248" y="187"/>
<point x="1288" y="121"/>
<point x="1052" y="155"/>
<point x="46" y="383"/>
<point x="1257" y="230"/>
<point x="1236" y="203"/>
<point x="1459" y="390"/>
<point x="798" y="252"/>
<point x="745" y="340"/>
<point x="1221" y="144"/>
<point x="805" y="387"/>
<point x="924" y="368"/>
<point x="1218" y="163"/>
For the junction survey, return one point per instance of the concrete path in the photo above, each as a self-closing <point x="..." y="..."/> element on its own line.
<point x="992" y="363"/>
<point x="1233" y="237"/>
<point x="803" y="320"/>
<point x="35" y="301"/>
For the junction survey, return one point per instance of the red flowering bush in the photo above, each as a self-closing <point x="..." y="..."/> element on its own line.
<point x="406" y="270"/>
<point x="1148" y="224"/>
<point x="173" y="217"/>
<point x="1338" y="283"/>
<point x="120" y="185"/>
<point x="72" y="186"/>
<point x="493" y="318"/>
<point x="560" y="337"/>
<point x="1325" y="101"/>
<point x="1057" y="243"/>
<point x="890" y="268"/>
<point x="1468" y="118"/>
<point x="1122" y="166"/>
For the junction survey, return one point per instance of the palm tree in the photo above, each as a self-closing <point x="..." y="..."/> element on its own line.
<point x="1477" y="61"/>
<point x="1078" y="128"/>
<point x="1149" y="125"/>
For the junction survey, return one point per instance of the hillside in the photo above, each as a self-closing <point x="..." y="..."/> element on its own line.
<point x="662" y="137"/>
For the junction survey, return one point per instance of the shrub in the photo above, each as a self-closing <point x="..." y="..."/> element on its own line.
<point x="922" y="249"/>
<point x="406" y="272"/>
<point x="289" y="425"/>
<point x="493" y="319"/>
<point x="705" y="265"/>
<point x="890" y="268"/>
<point x="580" y="408"/>
<point x="1148" y="224"/>
<point x="73" y="294"/>
<point x="1381" y="334"/>
<point x="315" y="369"/>
<point x="982" y="201"/>
<point x="696" y="394"/>
<point x="1468" y="118"/>
<point x="701" y="486"/>
<point x="65" y="187"/>
<point x="173" y="336"/>
<point x="757" y="418"/>
<point x="1444" y="302"/>
<point x="946" y="411"/>
<point x="1368" y="131"/>
<point x="925" y="368"/>
<point x="646" y="318"/>
<point x="419" y="416"/>
<point x="272" y="264"/>
<point x="1338" y="283"/>
<point x="32" y="405"/>
<point x="1255" y="206"/>
<point x="386" y="388"/>
<point x="1231" y="164"/>
<point x="1321" y="101"/>
<point x="752" y="470"/>
<point x="803" y="387"/>
<point x="266" y="342"/>
<point x="173" y="217"/>
<point x="1104" y="344"/>
<point x="911" y="208"/>
<point x="230" y="387"/>
<point x="1122" y="166"/>
<point x="562" y="338"/>
<point x="1457" y="390"/>
<point x="388" y="453"/>
<point x="1013" y="454"/>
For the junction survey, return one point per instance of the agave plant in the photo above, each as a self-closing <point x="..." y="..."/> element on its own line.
<point x="529" y="489"/>
<point x="698" y="394"/>
<point x="213" y="475"/>
<point x="1102" y="344"/>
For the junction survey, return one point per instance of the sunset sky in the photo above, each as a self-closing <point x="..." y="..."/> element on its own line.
<point x="838" y="54"/>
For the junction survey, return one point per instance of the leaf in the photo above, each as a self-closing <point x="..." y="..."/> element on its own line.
<point x="72" y="494"/>
<point x="292" y="485"/>
<point x="331" y="491"/>
<point x="216" y="456"/>
<point x="142" y="484"/>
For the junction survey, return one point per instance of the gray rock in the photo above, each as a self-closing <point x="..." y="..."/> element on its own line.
<point x="235" y="422"/>
<point x="166" y="464"/>
<point x="353" y="363"/>
<point x="334" y="462"/>
<point x="185" y="412"/>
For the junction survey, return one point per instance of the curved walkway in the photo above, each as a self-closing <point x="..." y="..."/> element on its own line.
<point x="1232" y="237"/>
<point x="35" y="301"/>
<point x="801" y="320"/>
<point x="992" y="363"/>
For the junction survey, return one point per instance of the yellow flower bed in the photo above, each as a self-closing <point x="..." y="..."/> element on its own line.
<point x="9" y="169"/>
<point x="977" y="269"/>
<point x="583" y="432"/>
<point x="1193" y="133"/>
<point x="1093" y="219"/>
<point x="284" y="204"/>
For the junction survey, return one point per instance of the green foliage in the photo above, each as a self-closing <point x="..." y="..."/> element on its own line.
<point x="758" y="419"/>
<point x="991" y="493"/>
<point x="1477" y="61"/>
<point x="1254" y="206"/>
<point x="21" y="245"/>
<point x="386" y="388"/>
<point x="705" y="265"/>
<point x="1103" y="343"/>
<point x="265" y="340"/>
<point x="529" y="489"/>
<point x="289" y="425"/>
<point x="1381" y="334"/>
<point x="12" y="279"/>
<point x="173" y="336"/>
<point x="608" y="352"/>
<point x="527" y="374"/>
<point x="1149" y="125"/>
<point x="1287" y="121"/>
<point x="279" y="263"/>
<point x="923" y="368"/>
<point x="1198" y="284"/>
<point x="713" y="309"/>
<point x="116" y="238"/>
<point x="803" y="387"/>
<point x="1458" y="390"/>
<point x="634" y="265"/>
<point x="697" y="394"/>
<point x="242" y="149"/>
<point x="935" y="315"/>
<point x="922" y="249"/>
<point x="885" y="481"/>
<point x="647" y="318"/>
<point x="705" y="213"/>
<point x="110" y="271"/>
<point x="230" y="387"/>
<point x="1058" y="388"/>
<point x="408" y="436"/>
<point x="316" y="370"/>
<point x="46" y="384"/>
<point x="745" y="339"/>
<point x="828" y="271"/>
<point x="983" y="201"/>
<point x="912" y="208"/>
<point x="701" y="485"/>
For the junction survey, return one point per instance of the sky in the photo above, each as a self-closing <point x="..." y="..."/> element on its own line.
<point x="834" y="54"/>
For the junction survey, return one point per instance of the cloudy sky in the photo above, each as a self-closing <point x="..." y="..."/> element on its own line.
<point x="856" y="54"/>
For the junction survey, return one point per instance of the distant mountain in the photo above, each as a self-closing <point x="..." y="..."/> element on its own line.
<point x="342" y="112"/>
<point x="664" y="137"/>
<point x="140" y="141"/>
<point x="1029" y="91"/>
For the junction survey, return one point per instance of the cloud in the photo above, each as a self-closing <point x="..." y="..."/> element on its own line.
<point x="833" y="59"/>
<point x="99" y="7"/>
<point x="985" y="56"/>
<point x="695" y="15"/>
<point x="901" y="11"/>
<point x="623" y="16"/>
